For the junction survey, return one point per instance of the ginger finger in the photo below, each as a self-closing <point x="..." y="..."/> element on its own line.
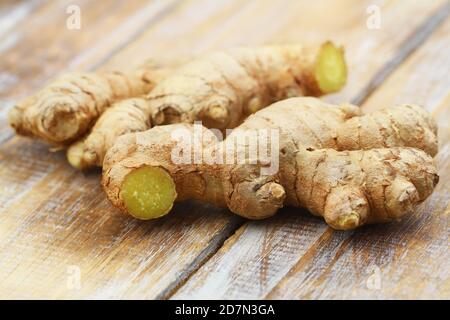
<point x="221" y="89"/>
<point x="353" y="188"/>
<point x="65" y="109"/>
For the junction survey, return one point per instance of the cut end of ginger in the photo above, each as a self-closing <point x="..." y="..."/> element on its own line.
<point x="148" y="192"/>
<point x="330" y="69"/>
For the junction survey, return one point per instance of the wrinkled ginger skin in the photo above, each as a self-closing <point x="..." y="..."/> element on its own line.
<point x="221" y="89"/>
<point x="369" y="184"/>
<point x="407" y="125"/>
<point x="125" y="116"/>
<point x="135" y="150"/>
<point x="353" y="188"/>
<point x="65" y="109"/>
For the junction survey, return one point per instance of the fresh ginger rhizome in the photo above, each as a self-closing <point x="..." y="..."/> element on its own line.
<point x="349" y="168"/>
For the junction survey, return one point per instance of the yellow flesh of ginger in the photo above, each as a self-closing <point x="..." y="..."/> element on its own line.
<point x="330" y="69"/>
<point x="148" y="192"/>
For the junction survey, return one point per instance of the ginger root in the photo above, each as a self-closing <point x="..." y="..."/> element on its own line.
<point x="66" y="109"/>
<point x="221" y="89"/>
<point x="327" y="164"/>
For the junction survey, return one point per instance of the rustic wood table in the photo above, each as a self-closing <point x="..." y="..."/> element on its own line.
<point x="60" y="237"/>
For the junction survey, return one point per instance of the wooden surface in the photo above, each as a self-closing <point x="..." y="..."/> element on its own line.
<point x="60" y="238"/>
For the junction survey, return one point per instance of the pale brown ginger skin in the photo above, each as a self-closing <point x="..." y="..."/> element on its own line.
<point x="129" y="115"/>
<point x="66" y="109"/>
<point x="371" y="183"/>
<point x="220" y="88"/>
<point x="352" y="188"/>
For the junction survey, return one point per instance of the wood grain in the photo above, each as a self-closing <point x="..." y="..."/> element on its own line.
<point x="410" y="258"/>
<point x="13" y="13"/>
<point x="44" y="46"/>
<point x="53" y="218"/>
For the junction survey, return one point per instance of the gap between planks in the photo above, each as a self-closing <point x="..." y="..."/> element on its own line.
<point x="214" y="245"/>
<point x="417" y="37"/>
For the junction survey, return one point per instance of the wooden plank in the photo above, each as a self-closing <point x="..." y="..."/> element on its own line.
<point x="58" y="218"/>
<point x="41" y="46"/>
<point x="283" y="258"/>
<point x="14" y="12"/>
